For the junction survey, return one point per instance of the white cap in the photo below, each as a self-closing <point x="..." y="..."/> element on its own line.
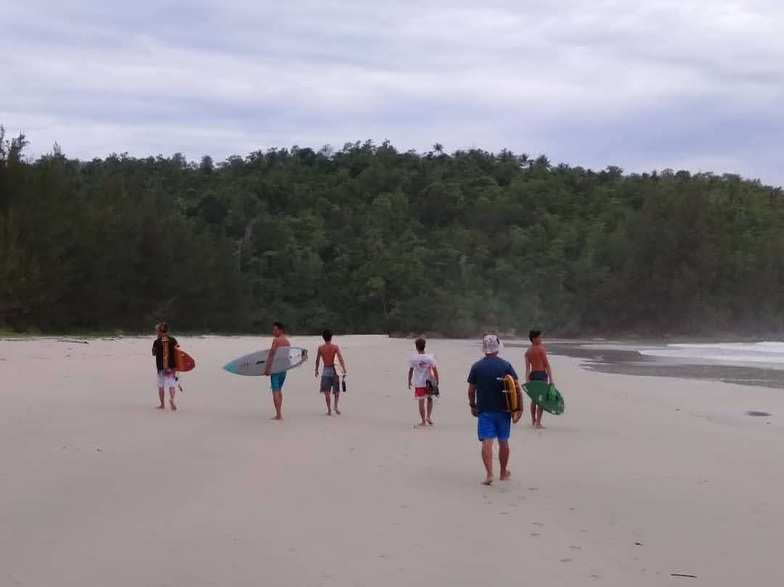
<point x="490" y="344"/>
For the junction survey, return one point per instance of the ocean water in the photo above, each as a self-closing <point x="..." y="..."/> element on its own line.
<point x="759" y="354"/>
<point x="751" y="363"/>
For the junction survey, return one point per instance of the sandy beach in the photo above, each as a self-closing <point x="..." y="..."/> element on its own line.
<point x="642" y="480"/>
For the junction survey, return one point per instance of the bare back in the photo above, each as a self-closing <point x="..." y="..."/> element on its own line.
<point x="328" y="352"/>
<point x="536" y="356"/>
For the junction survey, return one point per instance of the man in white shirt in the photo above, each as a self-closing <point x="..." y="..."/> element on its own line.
<point x="421" y="368"/>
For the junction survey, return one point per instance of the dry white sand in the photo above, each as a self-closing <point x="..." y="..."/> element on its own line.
<point x="641" y="478"/>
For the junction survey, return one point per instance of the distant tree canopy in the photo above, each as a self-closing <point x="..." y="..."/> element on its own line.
<point x="370" y="239"/>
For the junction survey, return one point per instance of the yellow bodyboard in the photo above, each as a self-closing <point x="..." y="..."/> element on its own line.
<point x="510" y="391"/>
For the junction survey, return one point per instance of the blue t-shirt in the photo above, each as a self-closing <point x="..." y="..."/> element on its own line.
<point x="486" y="374"/>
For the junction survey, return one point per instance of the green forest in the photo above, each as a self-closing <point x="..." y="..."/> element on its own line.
<point x="370" y="239"/>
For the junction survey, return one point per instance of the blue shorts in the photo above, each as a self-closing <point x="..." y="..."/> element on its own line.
<point x="277" y="380"/>
<point x="538" y="376"/>
<point x="494" y="425"/>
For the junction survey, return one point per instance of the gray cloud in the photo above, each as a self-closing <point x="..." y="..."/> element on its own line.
<point x="689" y="84"/>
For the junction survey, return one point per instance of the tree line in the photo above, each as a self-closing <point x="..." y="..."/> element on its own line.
<point x="371" y="239"/>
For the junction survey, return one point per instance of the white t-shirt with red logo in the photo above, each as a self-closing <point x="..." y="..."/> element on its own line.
<point x="421" y="364"/>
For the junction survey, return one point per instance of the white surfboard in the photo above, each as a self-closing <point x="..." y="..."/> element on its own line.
<point x="255" y="364"/>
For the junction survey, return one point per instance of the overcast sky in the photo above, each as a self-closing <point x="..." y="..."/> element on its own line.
<point x="641" y="84"/>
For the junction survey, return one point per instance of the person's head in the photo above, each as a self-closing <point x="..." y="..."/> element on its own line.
<point x="535" y="336"/>
<point x="419" y="343"/>
<point x="162" y="328"/>
<point x="491" y="345"/>
<point x="327" y="335"/>
<point x="277" y="328"/>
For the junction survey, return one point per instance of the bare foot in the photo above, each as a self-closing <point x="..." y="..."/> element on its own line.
<point x="488" y="481"/>
<point x="337" y="411"/>
<point x="539" y="427"/>
<point x="429" y="421"/>
<point x="173" y="407"/>
<point x="276" y="418"/>
<point x="422" y="424"/>
<point x="161" y="407"/>
<point x="506" y="475"/>
<point x="328" y="413"/>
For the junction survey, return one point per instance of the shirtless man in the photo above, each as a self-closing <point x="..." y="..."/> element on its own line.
<point x="537" y="368"/>
<point x="279" y="341"/>
<point x="329" y="379"/>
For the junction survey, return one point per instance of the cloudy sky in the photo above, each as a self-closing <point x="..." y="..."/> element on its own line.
<point x="641" y="84"/>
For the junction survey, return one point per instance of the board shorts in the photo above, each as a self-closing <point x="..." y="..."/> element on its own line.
<point x="421" y="392"/>
<point x="277" y="380"/>
<point x="330" y="380"/>
<point x="494" y="425"/>
<point x="538" y="376"/>
<point x="167" y="378"/>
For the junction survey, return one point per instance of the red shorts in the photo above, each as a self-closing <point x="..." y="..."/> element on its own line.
<point x="420" y="392"/>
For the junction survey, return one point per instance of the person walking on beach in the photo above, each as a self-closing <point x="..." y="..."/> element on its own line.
<point x="279" y="344"/>
<point x="330" y="381"/>
<point x="165" y="363"/>
<point x="419" y="372"/>
<point x="488" y="403"/>
<point x="537" y="368"/>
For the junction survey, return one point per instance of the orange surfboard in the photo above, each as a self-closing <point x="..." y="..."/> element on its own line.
<point x="183" y="361"/>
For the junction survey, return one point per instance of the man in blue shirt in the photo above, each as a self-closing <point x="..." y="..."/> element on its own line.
<point x="488" y="402"/>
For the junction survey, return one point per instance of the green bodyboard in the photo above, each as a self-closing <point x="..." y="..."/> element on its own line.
<point x="546" y="396"/>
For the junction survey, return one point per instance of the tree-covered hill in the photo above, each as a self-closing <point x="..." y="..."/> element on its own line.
<point x="371" y="239"/>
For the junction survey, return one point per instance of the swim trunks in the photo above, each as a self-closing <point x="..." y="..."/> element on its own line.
<point x="494" y="425"/>
<point x="421" y="392"/>
<point x="167" y="378"/>
<point x="330" y="380"/>
<point x="277" y="380"/>
<point x="538" y="376"/>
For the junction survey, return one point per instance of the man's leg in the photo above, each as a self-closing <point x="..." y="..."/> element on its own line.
<point x="277" y="401"/>
<point x="172" y="391"/>
<point x="487" y="459"/>
<point x="534" y="407"/>
<point x="337" y="395"/>
<point x="162" y="397"/>
<point x="422" y="412"/>
<point x="329" y="403"/>
<point x="485" y="430"/>
<point x="539" y="413"/>
<point x="429" y="410"/>
<point x="503" y="457"/>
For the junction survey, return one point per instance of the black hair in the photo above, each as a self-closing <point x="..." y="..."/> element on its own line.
<point x="279" y="325"/>
<point x="534" y="334"/>
<point x="327" y="335"/>
<point x="420" y="343"/>
<point x="163" y="327"/>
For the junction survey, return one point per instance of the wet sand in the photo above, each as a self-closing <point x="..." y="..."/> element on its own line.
<point x="642" y="479"/>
